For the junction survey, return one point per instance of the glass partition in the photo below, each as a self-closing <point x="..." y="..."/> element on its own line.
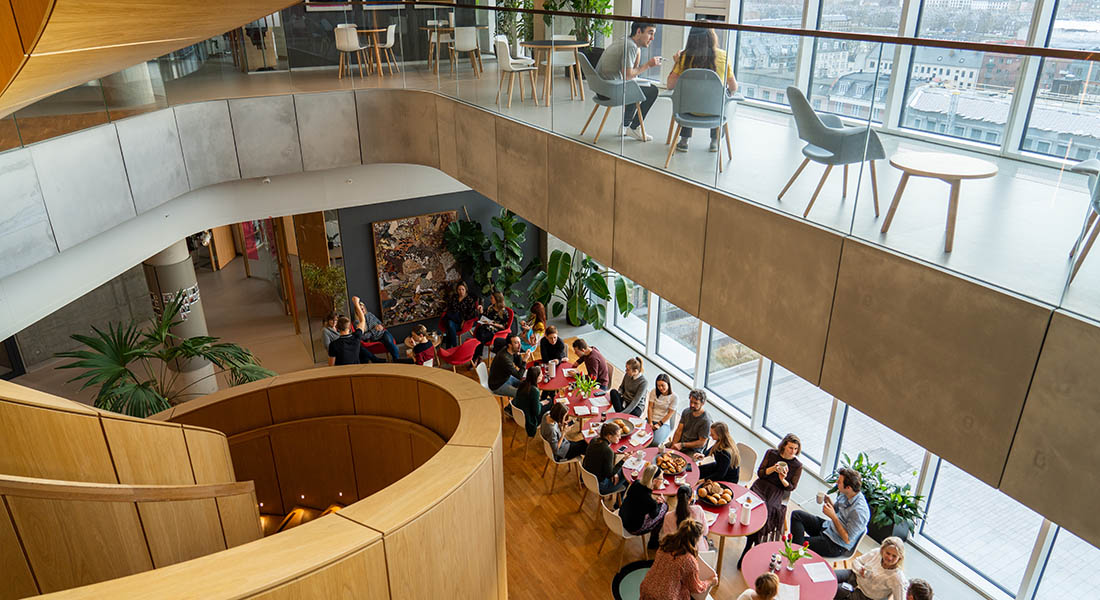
<point x="732" y="371"/>
<point x="677" y="337"/>
<point x="795" y="406"/>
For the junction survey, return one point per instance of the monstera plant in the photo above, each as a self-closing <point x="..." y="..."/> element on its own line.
<point x="577" y="285"/>
<point x="495" y="261"/>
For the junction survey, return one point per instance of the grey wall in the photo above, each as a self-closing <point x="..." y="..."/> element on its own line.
<point x="355" y="231"/>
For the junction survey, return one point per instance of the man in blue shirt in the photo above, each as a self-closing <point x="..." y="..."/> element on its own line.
<point x="846" y="519"/>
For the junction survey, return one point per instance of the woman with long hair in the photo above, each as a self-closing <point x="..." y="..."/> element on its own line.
<point x="460" y="307"/>
<point x="776" y="477"/>
<point x="876" y="575"/>
<point x="566" y="441"/>
<point x="660" y="408"/>
<point x="686" y="508"/>
<point x="531" y="330"/>
<point x="642" y="511"/>
<point x="702" y="52"/>
<point x="495" y="318"/>
<point x="675" y="571"/>
<point x="727" y="460"/>
<point x="527" y="400"/>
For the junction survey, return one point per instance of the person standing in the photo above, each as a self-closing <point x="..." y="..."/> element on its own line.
<point x="846" y="521"/>
<point x="876" y="575"/>
<point x="702" y="52"/>
<point x="694" y="428"/>
<point x="623" y="60"/>
<point x="593" y="362"/>
<point x="507" y="370"/>
<point x="661" y="406"/>
<point x="776" y="477"/>
<point x="631" y="392"/>
<point x="460" y="307"/>
<point x="344" y="350"/>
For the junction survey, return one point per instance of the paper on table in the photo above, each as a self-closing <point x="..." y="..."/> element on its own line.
<point x="569" y="372"/>
<point x="640" y="438"/>
<point x="637" y="421"/>
<point x="818" y="571"/>
<point x="788" y="592"/>
<point x="750" y="499"/>
<point x="581" y="410"/>
<point x="600" y="401"/>
<point x="710" y="518"/>
<point x="632" y="464"/>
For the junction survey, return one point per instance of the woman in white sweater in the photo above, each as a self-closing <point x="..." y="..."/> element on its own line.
<point x="660" y="408"/>
<point x="876" y="575"/>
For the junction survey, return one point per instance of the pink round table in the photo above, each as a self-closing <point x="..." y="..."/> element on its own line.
<point x="573" y="400"/>
<point x="690" y="477"/>
<point x="758" y="558"/>
<point x="758" y="516"/>
<point x="559" y="380"/>
<point x="624" y="444"/>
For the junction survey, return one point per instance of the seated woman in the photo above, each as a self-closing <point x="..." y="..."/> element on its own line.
<point x="551" y="347"/>
<point x="661" y="407"/>
<point x="527" y="400"/>
<point x="531" y="330"/>
<point x="675" y="571"/>
<point x="554" y="431"/>
<point x="631" y="391"/>
<point x="702" y="52"/>
<point x="418" y="343"/>
<point x="685" y="509"/>
<point x="766" y="587"/>
<point x="460" y="307"/>
<point x="641" y="511"/>
<point x="328" y="329"/>
<point x="727" y="460"/>
<point x="876" y="575"/>
<point x="600" y="460"/>
<point x="497" y="315"/>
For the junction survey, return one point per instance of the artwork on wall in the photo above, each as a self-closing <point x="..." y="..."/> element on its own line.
<point x="415" y="269"/>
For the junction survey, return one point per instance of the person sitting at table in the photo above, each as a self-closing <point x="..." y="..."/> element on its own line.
<point x="459" y="308"/>
<point x="727" y="460"/>
<point x="691" y="434"/>
<point x="494" y="319"/>
<point x="507" y="369"/>
<point x="344" y="350"/>
<point x="661" y="407"/>
<point x="631" y="392"/>
<point x="876" y="575"/>
<point x="846" y="519"/>
<point x="622" y="60"/>
<point x="527" y="400"/>
<point x="599" y="460"/>
<point x="776" y="477"/>
<point x="551" y="346"/>
<point x="418" y="343"/>
<point x="766" y="587"/>
<point x="675" y="571"/>
<point x="555" y="431"/>
<point x="702" y="52"/>
<point x="374" y="331"/>
<point x="593" y="362"/>
<point x="643" y="512"/>
<point x="918" y="590"/>
<point x="532" y="330"/>
<point x="328" y="329"/>
<point x="686" y="509"/>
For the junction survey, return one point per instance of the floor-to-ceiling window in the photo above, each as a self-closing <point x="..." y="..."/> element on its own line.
<point x="732" y="369"/>
<point x="677" y="337"/>
<point x="796" y="406"/>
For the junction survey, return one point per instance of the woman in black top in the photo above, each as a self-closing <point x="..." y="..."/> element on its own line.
<point x="727" y="460"/>
<point x="460" y="307"/>
<point x="551" y="347"/>
<point x="776" y="477"/>
<point x="527" y="400"/>
<point x="497" y="313"/>
<point x="641" y="511"/>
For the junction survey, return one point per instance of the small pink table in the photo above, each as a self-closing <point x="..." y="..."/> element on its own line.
<point x="758" y="516"/>
<point x="559" y="380"/>
<point x="574" y="400"/>
<point x="691" y="477"/>
<point x="624" y="444"/>
<point x="759" y="556"/>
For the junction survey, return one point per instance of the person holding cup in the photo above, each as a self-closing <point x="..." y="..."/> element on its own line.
<point x="777" y="477"/>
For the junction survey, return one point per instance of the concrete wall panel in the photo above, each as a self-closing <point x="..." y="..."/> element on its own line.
<point x="1053" y="449"/>
<point x="660" y="229"/>
<point x="84" y="183"/>
<point x="327" y="130"/>
<point x="266" y="132"/>
<point x="206" y="135"/>
<point x="939" y="359"/>
<point x="521" y="170"/>
<point x="25" y="233"/>
<point x="476" y="149"/>
<point x="398" y="126"/>
<point x="445" y="116"/>
<point x="770" y="279"/>
<point x="154" y="159"/>
<point x="582" y="184"/>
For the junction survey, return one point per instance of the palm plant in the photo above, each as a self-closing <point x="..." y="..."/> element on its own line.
<point x="131" y="365"/>
<point x="570" y="283"/>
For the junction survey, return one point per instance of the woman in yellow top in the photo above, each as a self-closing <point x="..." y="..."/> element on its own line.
<point x="702" y="52"/>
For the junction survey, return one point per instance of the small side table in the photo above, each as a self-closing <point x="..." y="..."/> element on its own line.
<point x="951" y="168"/>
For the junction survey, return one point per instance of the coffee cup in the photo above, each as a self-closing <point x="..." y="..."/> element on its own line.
<point x="821" y="497"/>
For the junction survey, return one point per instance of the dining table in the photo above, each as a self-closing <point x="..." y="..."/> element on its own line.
<point x="759" y="557"/>
<point x="373" y="33"/>
<point x="548" y="48"/>
<point x="722" y="527"/>
<point x="689" y="477"/>
<point x="628" y="443"/>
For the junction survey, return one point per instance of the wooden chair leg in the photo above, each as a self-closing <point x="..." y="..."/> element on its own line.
<point x="554" y="479"/>
<point x="544" y="467"/>
<point x="500" y="86"/>
<point x="604" y="540"/>
<point x="1084" y="231"/>
<point x="671" y="149"/>
<point x="817" y="191"/>
<point x="729" y="149"/>
<point x="797" y="172"/>
<point x="511" y="84"/>
<point x="671" y="127"/>
<point x="874" y="188"/>
<point x="359" y="59"/>
<point x="602" y="121"/>
<point x="512" y="442"/>
<point x="641" y="121"/>
<point x="590" y="115"/>
<point x="340" y="67"/>
<point x="521" y="89"/>
<point x="584" y="494"/>
<point x="531" y="73"/>
<point x="526" y="448"/>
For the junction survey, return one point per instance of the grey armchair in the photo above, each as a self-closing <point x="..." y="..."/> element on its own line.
<point x="609" y="93"/>
<point x="700" y="100"/>
<point x="1091" y="168"/>
<point x="830" y="143"/>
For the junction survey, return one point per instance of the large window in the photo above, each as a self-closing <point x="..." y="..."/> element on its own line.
<point x="766" y="63"/>
<point x="981" y="526"/>
<point x="677" y="337"/>
<point x="1063" y="576"/>
<point x="634" y="324"/>
<point x="901" y="458"/>
<point x="731" y="371"/>
<point x="796" y="406"/>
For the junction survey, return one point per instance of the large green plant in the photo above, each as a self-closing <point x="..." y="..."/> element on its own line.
<point x="130" y="365"/>
<point x="584" y="28"/>
<point x="890" y="503"/>
<point x="579" y="287"/>
<point x="516" y="26"/>
<point x="326" y="281"/>
<point x="495" y="261"/>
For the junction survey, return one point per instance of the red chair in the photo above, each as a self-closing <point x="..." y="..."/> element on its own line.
<point x="459" y="355"/>
<point x="504" y="333"/>
<point x="467" y="326"/>
<point x="374" y="348"/>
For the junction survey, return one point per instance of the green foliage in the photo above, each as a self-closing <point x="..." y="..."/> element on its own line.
<point x="130" y="366"/>
<point x="585" y="385"/>
<point x="495" y="261"/>
<point x="890" y="503"/>
<point x="328" y="281"/>
<point x="579" y="287"/>
<point x="584" y="29"/>
<point x="517" y="26"/>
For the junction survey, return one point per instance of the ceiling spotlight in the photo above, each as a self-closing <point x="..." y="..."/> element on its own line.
<point x="266" y="180"/>
<point x="348" y="180"/>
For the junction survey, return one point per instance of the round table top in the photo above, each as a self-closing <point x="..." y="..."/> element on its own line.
<point x="758" y="558"/>
<point x="447" y="27"/>
<point x="942" y="165"/>
<point x="559" y="380"/>
<point x="572" y="401"/>
<point x="371" y="30"/>
<point x="758" y="516"/>
<point x="624" y="444"/>
<point x="555" y="44"/>
<point x="690" y="477"/>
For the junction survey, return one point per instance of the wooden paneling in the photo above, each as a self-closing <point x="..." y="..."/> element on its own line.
<point x="382" y="455"/>
<point x="424" y="447"/>
<point x="11" y="50"/>
<point x="476" y="149"/>
<point x="361" y="576"/>
<point x="582" y="186"/>
<point x="769" y="279"/>
<point x="314" y="460"/>
<point x="448" y="154"/>
<point x="521" y="170"/>
<point x="479" y="426"/>
<point x="395" y="397"/>
<point x="669" y="256"/>
<point x="244" y="412"/>
<point x="182" y="530"/>
<point x="52" y="444"/>
<point x="438" y="410"/>
<point x="240" y="519"/>
<point x="938" y="359"/>
<point x="150" y="453"/>
<point x="497" y="459"/>
<point x="31" y="17"/>
<point x="312" y="398"/>
<point x="253" y="461"/>
<point x="398" y="126"/>
<point x="24" y="395"/>
<point x="72" y="543"/>
<point x="222" y="243"/>
<point x="209" y="453"/>
<point x="18" y="581"/>
<point x="311" y="240"/>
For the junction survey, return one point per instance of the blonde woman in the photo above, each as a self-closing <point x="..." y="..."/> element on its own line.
<point x="876" y="575"/>
<point x="631" y="391"/>
<point x="766" y="587"/>
<point x="642" y="511"/>
<point x="675" y="571"/>
<point x="727" y="460"/>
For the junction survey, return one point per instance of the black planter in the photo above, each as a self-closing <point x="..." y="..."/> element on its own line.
<point x="881" y="532"/>
<point x="593" y="54"/>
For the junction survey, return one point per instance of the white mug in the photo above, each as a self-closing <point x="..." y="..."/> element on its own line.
<point x="821" y="497"/>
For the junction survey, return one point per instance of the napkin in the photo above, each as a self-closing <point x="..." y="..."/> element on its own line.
<point x="788" y="592"/>
<point x="569" y="372"/>
<point x="750" y="499"/>
<point x="707" y="460"/>
<point x="818" y="571"/>
<point x="633" y="464"/>
<point x="600" y="401"/>
<point x="581" y="410"/>
<point x="640" y="437"/>
<point x="637" y="421"/>
<point x="710" y="518"/>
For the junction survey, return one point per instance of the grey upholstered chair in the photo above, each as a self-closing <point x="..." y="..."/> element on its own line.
<point x="610" y="93"/>
<point x="1091" y="168"/>
<point x="830" y="143"/>
<point x="699" y="100"/>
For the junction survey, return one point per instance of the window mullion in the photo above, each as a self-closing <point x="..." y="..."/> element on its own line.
<point x="702" y="354"/>
<point x="651" y="324"/>
<point x="804" y="66"/>
<point x="763" y="383"/>
<point x="1023" y="101"/>
<point x="899" y="73"/>
<point x="1044" y="543"/>
<point x="832" y="438"/>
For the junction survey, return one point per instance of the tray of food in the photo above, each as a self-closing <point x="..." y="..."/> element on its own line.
<point x="625" y="427"/>
<point x="671" y="464"/>
<point x="714" y="494"/>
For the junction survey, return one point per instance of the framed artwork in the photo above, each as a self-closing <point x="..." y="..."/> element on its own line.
<point x="415" y="269"/>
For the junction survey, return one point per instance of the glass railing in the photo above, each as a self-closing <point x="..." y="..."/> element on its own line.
<point x="1005" y="122"/>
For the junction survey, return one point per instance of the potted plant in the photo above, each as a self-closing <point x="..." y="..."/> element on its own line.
<point x="570" y="284"/>
<point x="515" y="26"/>
<point x="793" y="553"/>
<point x="327" y="282"/>
<point x="495" y="261"/>
<point x="894" y="508"/>
<point x="585" y="385"/>
<point x="589" y="29"/>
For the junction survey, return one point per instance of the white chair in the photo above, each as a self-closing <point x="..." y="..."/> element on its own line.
<point x="435" y="40"/>
<point x="518" y="60"/>
<point x="568" y="60"/>
<point x="511" y="67"/>
<point x="521" y="424"/>
<point x="387" y="48"/>
<point x="844" y="561"/>
<point x="347" y="42"/>
<point x="591" y="484"/>
<point x="706" y="571"/>
<point x="615" y="525"/>
<point x="483" y="376"/>
<point x="557" y="463"/>
<point x="466" y="41"/>
<point x="748" y="462"/>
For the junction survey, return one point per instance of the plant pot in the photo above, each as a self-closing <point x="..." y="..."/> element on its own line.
<point x="881" y="532"/>
<point x="593" y="54"/>
<point x="582" y="322"/>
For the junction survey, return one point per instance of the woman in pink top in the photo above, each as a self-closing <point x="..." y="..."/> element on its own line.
<point x="675" y="572"/>
<point x="686" y="509"/>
